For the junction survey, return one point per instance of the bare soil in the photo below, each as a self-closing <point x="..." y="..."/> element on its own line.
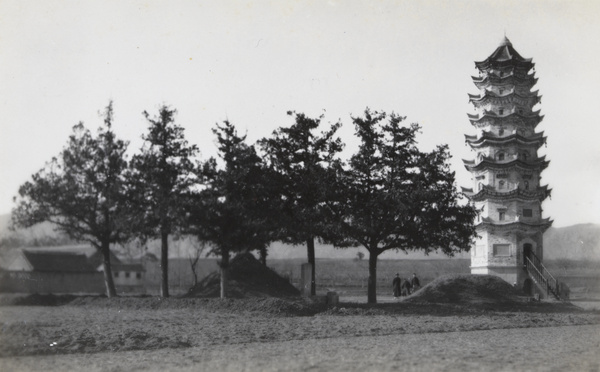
<point x="57" y="329"/>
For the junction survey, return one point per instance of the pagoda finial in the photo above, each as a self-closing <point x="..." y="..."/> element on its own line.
<point x="505" y="41"/>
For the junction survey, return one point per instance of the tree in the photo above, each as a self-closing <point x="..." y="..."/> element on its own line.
<point x="161" y="180"/>
<point x="81" y="192"/>
<point x="233" y="212"/>
<point x="360" y="256"/>
<point x="393" y="196"/>
<point x="303" y="161"/>
<point x="194" y="257"/>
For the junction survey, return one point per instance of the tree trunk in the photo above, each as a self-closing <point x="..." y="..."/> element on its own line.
<point x="224" y="272"/>
<point x="310" y="247"/>
<point x="372" y="285"/>
<point x="263" y="256"/>
<point x="164" y="264"/>
<point x="193" y="263"/>
<point x="108" y="275"/>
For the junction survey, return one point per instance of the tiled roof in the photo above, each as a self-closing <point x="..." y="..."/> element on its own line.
<point x="127" y="267"/>
<point x="58" y="261"/>
<point x="97" y="259"/>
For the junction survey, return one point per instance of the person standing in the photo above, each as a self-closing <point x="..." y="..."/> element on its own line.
<point x="396" y="286"/>
<point x="406" y="287"/>
<point x="414" y="281"/>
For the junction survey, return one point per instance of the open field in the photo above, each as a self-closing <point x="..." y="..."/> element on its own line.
<point x="568" y="348"/>
<point x="350" y="275"/>
<point x="456" y="322"/>
<point x="148" y="333"/>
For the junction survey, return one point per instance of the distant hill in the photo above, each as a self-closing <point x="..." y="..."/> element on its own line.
<point x="577" y="242"/>
<point x="39" y="235"/>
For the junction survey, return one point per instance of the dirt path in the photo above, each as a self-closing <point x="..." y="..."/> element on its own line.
<point x="534" y="349"/>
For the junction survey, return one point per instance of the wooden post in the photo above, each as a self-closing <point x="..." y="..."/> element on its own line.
<point x="306" y="271"/>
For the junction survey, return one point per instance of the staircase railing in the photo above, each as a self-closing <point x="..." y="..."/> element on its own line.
<point x="540" y="274"/>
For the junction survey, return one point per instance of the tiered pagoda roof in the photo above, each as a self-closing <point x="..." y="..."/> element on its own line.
<point x="508" y="79"/>
<point x="538" y="164"/>
<point x="533" y="118"/>
<point x="521" y="224"/>
<point x="504" y="55"/>
<point x="489" y="192"/>
<point x="511" y="97"/>
<point x="489" y="138"/>
<point x="505" y="101"/>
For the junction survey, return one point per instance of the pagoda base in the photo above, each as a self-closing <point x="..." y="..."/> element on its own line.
<point x="509" y="274"/>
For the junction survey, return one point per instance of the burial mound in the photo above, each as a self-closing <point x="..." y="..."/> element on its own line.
<point x="247" y="278"/>
<point x="466" y="289"/>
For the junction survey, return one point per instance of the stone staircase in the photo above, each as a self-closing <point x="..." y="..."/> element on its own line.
<point x="540" y="275"/>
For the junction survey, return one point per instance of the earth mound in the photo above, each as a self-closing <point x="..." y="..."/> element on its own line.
<point x="247" y="278"/>
<point x="466" y="289"/>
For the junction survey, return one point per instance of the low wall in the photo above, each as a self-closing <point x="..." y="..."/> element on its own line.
<point x="51" y="282"/>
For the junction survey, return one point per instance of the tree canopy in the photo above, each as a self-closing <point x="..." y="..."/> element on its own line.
<point x="302" y="159"/>
<point x="394" y="196"/>
<point x="81" y="192"/>
<point x="233" y="212"/>
<point x="162" y="178"/>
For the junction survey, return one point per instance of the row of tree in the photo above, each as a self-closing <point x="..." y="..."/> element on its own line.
<point x="290" y="187"/>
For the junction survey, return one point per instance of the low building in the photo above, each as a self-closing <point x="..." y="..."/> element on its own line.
<point x="68" y="269"/>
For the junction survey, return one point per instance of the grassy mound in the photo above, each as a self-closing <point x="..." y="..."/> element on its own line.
<point x="247" y="278"/>
<point x="290" y="306"/>
<point x="466" y="289"/>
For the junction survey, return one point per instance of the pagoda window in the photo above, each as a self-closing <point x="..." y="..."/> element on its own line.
<point x="500" y="91"/>
<point x="525" y="155"/>
<point x="526" y="185"/>
<point x="502" y="250"/>
<point x="501" y="216"/>
<point x="501" y="111"/>
<point x="501" y="131"/>
<point x="527" y="213"/>
<point x="501" y="156"/>
<point x="501" y="185"/>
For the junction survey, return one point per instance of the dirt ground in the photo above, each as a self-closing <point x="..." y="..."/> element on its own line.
<point x="253" y="334"/>
<point x="569" y="348"/>
<point x="455" y="323"/>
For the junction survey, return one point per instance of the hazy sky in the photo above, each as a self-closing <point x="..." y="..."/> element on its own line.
<point x="250" y="62"/>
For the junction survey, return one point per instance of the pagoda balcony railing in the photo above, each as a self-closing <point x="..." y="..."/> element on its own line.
<point x="532" y="221"/>
<point x="507" y="112"/>
<point x="540" y="274"/>
<point x="509" y="78"/>
<point x="515" y="134"/>
<point x="539" y="193"/>
<point x="508" y="158"/>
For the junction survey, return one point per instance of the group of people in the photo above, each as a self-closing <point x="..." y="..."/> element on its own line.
<point x="404" y="287"/>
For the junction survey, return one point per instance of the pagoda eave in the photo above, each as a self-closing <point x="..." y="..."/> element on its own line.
<point x="490" y="63"/>
<point x="520" y="225"/>
<point x="484" y="140"/>
<point x="540" y="165"/>
<point x="487" y="80"/>
<point x="517" y="194"/>
<point x="532" y="120"/>
<point x="474" y="98"/>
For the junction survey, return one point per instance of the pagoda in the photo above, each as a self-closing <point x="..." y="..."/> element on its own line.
<point x="506" y="183"/>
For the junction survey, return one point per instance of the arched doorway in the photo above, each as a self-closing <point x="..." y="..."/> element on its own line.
<point x="527" y="252"/>
<point x="528" y="287"/>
